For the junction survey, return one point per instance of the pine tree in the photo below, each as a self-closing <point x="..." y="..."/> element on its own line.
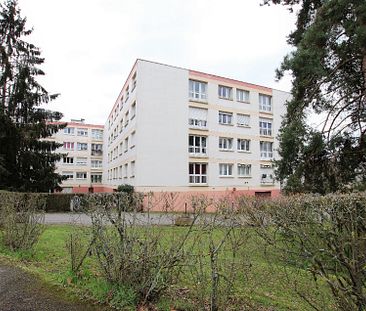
<point x="27" y="160"/>
<point x="329" y="70"/>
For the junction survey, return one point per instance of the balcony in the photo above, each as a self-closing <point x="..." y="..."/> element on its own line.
<point x="97" y="153"/>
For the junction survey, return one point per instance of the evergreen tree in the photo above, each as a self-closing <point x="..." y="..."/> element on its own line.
<point x="27" y="160"/>
<point x="329" y="70"/>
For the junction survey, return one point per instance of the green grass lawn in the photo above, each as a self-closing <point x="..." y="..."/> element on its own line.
<point x="263" y="283"/>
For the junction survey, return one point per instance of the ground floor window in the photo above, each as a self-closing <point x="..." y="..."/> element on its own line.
<point x="197" y="173"/>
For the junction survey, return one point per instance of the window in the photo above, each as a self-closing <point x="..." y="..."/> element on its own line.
<point x="96" y="149"/>
<point x="242" y="96"/>
<point x="225" y="117"/>
<point x="132" y="140"/>
<point x="125" y="170"/>
<point x="243" y="119"/>
<point x="81" y="161"/>
<point x="127" y="93"/>
<point x="82" y="146"/>
<point x="265" y="127"/>
<point x="68" y="160"/>
<point x="197" y="144"/>
<point x="266" y="150"/>
<point x="81" y="175"/>
<point x="96" y="163"/>
<point x="133" y="110"/>
<point x="96" y="178"/>
<point x="243" y="144"/>
<point x="197" y="117"/>
<point x="225" y="169"/>
<point x="69" y="130"/>
<point x="225" y="92"/>
<point x="126" y="118"/>
<point x="267" y="179"/>
<point x="132" y="169"/>
<point x="244" y="170"/>
<point x="197" y="173"/>
<point x="82" y="132"/>
<point x="97" y="134"/>
<point x="133" y="82"/>
<point x="197" y="90"/>
<point x="265" y="102"/>
<point x="68" y="175"/>
<point x="126" y="144"/>
<point x="68" y="146"/>
<point x="225" y="143"/>
<point x="121" y="126"/>
<point x="121" y="104"/>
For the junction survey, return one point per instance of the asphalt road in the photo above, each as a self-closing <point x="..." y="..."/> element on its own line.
<point x="20" y="291"/>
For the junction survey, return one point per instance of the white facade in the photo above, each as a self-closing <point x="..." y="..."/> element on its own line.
<point x="175" y="129"/>
<point x="82" y="146"/>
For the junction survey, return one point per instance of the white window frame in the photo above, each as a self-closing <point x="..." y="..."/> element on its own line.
<point x="225" y="118"/>
<point x="80" y="146"/>
<point x="96" y="163"/>
<point x="81" y="161"/>
<point x="69" y="130"/>
<point x="226" y="169"/>
<point x="225" y="92"/>
<point x="242" y="96"/>
<point x="244" y="170"/>
<point x="68" y="145"/>
<point x="68" y="160"/>
<point x="265" y="127"/>
<point x="98" y="180"/>
<point x="243" y="144"/>
<point x="266" y="150"/>
<point x="82" y="132"/>
<point x="97" y="134"/>
<point x="265" y="103"/>
<point x="197" y="90"/>
<point x="196" y="176"/>
<point x="85" y="175"/>
<point x="68" y="174"/>
<point x="126" y="144"/>
<point x="243" y="119"/>
<point x="197" y="144"/>
<point x="132" y="169"/>
<point x="225" y="143"/>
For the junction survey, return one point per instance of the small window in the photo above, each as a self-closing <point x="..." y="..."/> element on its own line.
<point x="68" y="160"/>
<point x="197" y="90"/>
<point x="265" y="103"/>
<point x="96" y="178"/>
<point x="225" y="117"/>
<point x="82" y="146"/>
<point x="81" y="161"/>
<point x="81" y="175"/>
<point x="127" y="94"/>
<point x="133" y="110"/>
<point x="68" y="175"/>
<point x="226" y="169"/>
<point x="126" y="144"/>
<point x="68" y="145"/>
<point x="125" y="170"/>
<point x="243" y="145"/>
<point x="244" y="170"/>
<point x="134" y="81"/>
<point x="243" y="119"/>
<point x="197" y="144"/>
<point x="225" y="92"/>
<point x="132" y="169"/>
<point x="265" y="127"/>
<point x="96" y="163"/>
<point x="242" y="96"/>
<point x="197" y="173"/>
<point x="266" y="150"/>
<point x="82" y="132"/>
<point x="225" y="143"/>
<point x="69" y="130"/>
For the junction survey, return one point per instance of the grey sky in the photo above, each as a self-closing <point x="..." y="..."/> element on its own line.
<point x="91" y="45"/>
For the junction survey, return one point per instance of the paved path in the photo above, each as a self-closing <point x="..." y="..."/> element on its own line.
<point x="20" y="291"/>
<point x="140" y="218"/>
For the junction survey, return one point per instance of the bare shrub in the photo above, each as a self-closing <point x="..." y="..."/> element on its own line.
<point x="144" y="257"/>
<point x="325" y="235"/>
<point x="218" y="260"/>
<point x="22" y="219"/>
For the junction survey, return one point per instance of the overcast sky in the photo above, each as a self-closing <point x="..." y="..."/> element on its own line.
<point x="90" y="45"/>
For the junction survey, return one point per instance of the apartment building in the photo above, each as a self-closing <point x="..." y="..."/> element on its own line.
<point x="174" y="129"/>
<point x="82" y="163"/>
